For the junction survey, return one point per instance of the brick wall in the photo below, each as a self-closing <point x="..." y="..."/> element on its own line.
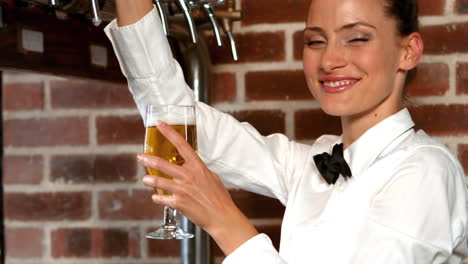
<point x="73" y="190"/>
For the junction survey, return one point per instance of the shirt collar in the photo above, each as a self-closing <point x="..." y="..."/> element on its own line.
<point x="367" y="148"/>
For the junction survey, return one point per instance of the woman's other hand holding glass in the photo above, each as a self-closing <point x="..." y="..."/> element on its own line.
<point x="198" y="193"/>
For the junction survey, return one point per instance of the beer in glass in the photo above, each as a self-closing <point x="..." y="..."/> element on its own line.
<point x="182" y="119"/>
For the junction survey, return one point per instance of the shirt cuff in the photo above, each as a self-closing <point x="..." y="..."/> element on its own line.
<point x="258" y="249"/>
<point x="141" y="48"/>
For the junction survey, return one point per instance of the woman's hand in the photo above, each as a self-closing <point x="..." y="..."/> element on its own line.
<point x="198" y="193"/>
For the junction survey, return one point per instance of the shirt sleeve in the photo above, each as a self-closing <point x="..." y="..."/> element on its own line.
<point x="235" y="151"/>
<point x="258" y="249"/>
<point x="146" y="60"/>
<point x="419" y="216"/>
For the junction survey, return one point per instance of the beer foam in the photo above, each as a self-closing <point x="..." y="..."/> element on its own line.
<point x="170" y="119"/>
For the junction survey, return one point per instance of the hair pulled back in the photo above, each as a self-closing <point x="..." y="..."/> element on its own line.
<point x="406" y="14"/>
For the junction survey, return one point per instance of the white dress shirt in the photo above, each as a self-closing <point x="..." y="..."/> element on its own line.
<point x="405" y="203"/>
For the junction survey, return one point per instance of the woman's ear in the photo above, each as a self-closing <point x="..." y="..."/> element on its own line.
<point x="413" y="47"/>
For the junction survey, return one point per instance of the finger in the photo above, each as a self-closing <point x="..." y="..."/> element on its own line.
<point x="168" y="200"/>
<point x="161" y="165"/>
<point x="184" y="148"/>
<point x="160" y="182"/>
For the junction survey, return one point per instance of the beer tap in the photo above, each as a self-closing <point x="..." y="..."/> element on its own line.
<point x="208" y="7"/>
<point x="162" y="15"/>
<point x="185" y="9"/>
<point x="192" y="12"/>
<point x="96" y="16"/>
<point x="227" y="18"/>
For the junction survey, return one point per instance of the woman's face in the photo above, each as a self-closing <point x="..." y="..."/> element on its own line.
<point x="351" y="56"/>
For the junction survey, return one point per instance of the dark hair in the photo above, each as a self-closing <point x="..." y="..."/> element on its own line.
<point x="406" y="14"/>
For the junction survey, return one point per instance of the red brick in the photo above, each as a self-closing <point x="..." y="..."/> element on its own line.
<point x="120" y="130"/>
<point x="24" y="242"/>
<point x="224" y="88"/>
<point x="115" y="243"/>
<point x="276" y="85"/>
<point x="23" y="96"/>
<point x="72" y="243"/>
<point x="274" y="11"/>
<point x="47" y="206"/>
<point x="462" y="78"/>
<point x="257" y="206"/>
<point x="128" y="205"/>
<point x="94" y="242"/>
<point x="442" y="120"/>
<point x="265" y="121"/>
<point x="93" y="168"/>
<point x="463" y="156"/>
<point x="89" y="94"/>
<point x="445" y="39"/>
<point x="252" y="47"/>
<point x="461" y="6"/>
<point x="429" y="79"/>
<point x="311" y="124"/>
<point x="22" y="169"/>
<point x="298" y="44"/>
<point x="71" y="131"/>
<point x="272" y="231"/>
<point x="162" y="248"/>
<point x="431" y="8"/>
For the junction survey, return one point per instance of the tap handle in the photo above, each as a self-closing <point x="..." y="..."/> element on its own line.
<point x="228" y="17"/>
<point x="53" y="2"/>
<point x="232" y="42"/>
<point x="191" y="24"/>
<point x="162" y="15"/>
<point x="214" y="23"/>
<point x="96" y="16"/>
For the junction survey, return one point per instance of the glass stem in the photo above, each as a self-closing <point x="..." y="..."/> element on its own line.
<point x="170" y="216"/>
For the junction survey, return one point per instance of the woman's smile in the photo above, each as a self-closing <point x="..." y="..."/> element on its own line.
<point x="337" y="84"/>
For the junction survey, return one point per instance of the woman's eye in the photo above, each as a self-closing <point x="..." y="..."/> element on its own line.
<point x="314" y="42"/>
<point x="359" y="40"/>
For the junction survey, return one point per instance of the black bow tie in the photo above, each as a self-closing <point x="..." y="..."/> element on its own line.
<point x="331" y="166"/>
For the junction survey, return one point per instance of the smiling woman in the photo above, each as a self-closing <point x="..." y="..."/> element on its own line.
<point x="356" y="59"/>
<point x="379" y="193"/>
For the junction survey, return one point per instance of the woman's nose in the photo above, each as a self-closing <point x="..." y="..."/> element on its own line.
<point x="332" y="58"/>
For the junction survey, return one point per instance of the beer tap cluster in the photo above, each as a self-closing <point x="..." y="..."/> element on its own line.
<point x="188" y="7"/>
<point x="195" y="14"/>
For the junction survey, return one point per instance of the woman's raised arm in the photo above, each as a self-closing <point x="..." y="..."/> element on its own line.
<point x="155" y="77"/>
